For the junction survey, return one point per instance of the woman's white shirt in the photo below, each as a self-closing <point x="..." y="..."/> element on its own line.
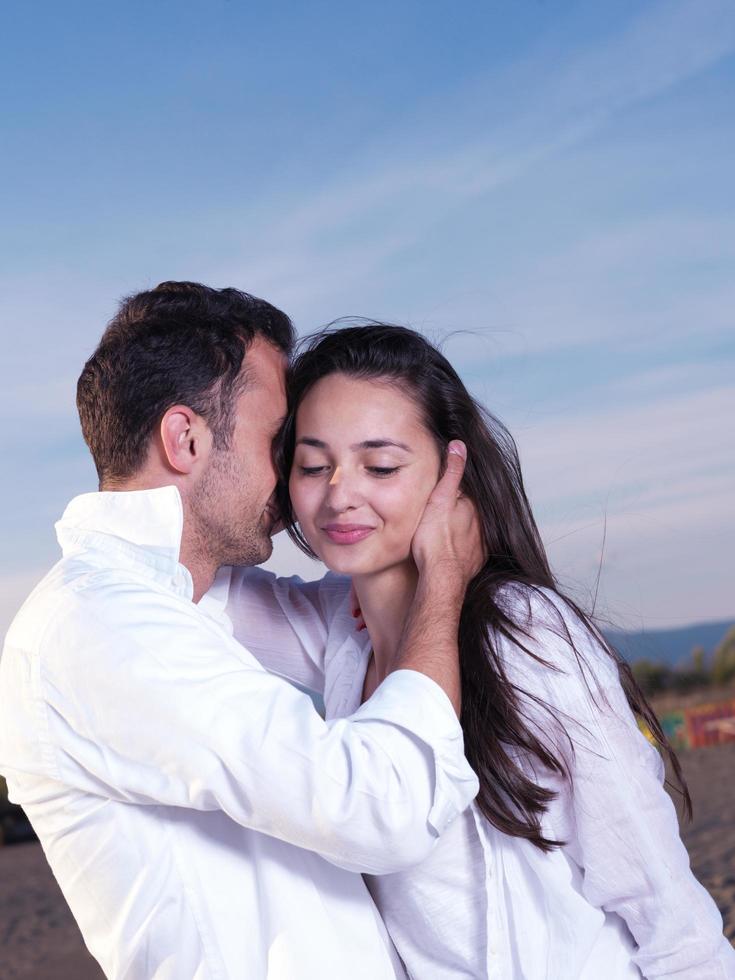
<point x="617" y="901"/>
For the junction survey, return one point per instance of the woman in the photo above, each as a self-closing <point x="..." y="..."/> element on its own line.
<point x="569" y="863"/>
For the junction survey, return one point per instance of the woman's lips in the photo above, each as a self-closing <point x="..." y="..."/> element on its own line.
<point x="347" y="533"/>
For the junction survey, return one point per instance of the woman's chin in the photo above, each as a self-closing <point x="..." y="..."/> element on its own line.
<point x="349" y="565"/>
<point x="342" y="562"/>
<point x="347" y="560"/>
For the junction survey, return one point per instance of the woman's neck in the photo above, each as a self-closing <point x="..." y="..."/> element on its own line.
<point x="385" y="598"/>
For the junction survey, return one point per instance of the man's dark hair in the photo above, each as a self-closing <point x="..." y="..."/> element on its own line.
<point x="180" y="343"/>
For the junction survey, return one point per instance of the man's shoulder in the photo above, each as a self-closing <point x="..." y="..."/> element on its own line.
<point x="45" y="638"/>
<point x="51" y="598"/>
<point x="74" y="594"/>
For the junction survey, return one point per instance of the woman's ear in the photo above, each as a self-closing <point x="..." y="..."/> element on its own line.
<point x="186" y="439"/>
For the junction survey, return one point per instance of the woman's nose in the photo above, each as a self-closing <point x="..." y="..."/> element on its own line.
<point x="341" y="494"/>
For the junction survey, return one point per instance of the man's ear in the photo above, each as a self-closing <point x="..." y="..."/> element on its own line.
<point x="186" y="439"/>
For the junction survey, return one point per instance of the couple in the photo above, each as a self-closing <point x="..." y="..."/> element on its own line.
<point x="202" y="819"/>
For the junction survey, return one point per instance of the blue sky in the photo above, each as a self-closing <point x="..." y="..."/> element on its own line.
<point x="544" y="185"/>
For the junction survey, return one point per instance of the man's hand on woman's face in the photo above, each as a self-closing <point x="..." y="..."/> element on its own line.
<point x="448" y="539"/>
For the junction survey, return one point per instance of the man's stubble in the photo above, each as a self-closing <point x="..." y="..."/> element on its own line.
<point x="228" y="528"/>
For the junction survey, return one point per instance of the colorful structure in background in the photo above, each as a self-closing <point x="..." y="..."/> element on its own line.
<point x="695" y="728"/>
<point x="710" y="724"/>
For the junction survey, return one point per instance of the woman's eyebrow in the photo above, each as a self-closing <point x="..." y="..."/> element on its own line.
<point x="380" y="444"/>
<point x="308" y="441"/>
<point x="367" y="444"/>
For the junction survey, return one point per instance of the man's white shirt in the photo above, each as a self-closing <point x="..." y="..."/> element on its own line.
<point x="201" y="818"/>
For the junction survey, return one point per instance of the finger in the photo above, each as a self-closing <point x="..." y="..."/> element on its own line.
<point x="448" y="487"/>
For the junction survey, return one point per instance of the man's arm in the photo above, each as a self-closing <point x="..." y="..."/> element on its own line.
<point x="140" y="700"/>
<point x="448" y="552"/>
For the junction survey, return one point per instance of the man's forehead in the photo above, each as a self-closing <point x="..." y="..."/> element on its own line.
<point x="265" y="366"/>
<point x="264" y="393"/>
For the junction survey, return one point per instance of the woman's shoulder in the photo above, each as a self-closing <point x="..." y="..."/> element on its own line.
<point x="254" y="589"/>
<point x="536" y="609"/>
<point x="335" y="597"/>
<point x="549" y="643"/>
<point x="534" y="604"/>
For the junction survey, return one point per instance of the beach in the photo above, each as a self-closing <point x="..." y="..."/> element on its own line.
<point x="40" y="941"/>
<point x="710" y="838"/>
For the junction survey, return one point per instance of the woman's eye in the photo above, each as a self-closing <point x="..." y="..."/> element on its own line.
<point x="312" y="470"/>
<point x="383" y="470"/>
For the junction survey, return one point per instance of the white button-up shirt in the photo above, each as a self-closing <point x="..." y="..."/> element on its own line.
<point x="203" y="821"/>
<point x="617" y="902"/>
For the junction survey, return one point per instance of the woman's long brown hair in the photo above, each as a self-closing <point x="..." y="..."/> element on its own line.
<point x="495" y="729"/>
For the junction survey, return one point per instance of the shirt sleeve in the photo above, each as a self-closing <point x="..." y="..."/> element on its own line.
<point x="145" y="701"/>
<point x="284" y="622"/>
<point x="619" y="822"/>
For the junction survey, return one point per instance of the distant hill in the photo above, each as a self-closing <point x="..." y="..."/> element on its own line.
<point x="671" y="647"/>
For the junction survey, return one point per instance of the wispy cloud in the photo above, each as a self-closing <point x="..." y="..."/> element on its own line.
<point x="338" y="242"/>
<point x="656" y="480"/>
<point x="612" y="454"/>
<point x="523" y="205"/>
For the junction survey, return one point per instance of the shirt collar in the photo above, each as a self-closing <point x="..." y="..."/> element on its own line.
<point x="214" y="602"/>
<point x="140" y="527"/>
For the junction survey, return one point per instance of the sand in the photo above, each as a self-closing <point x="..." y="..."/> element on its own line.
<point x="40" y="941"/>
<point x="710" y="838"/>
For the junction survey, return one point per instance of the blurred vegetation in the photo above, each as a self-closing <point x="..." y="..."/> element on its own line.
<point x="717" y="670"/>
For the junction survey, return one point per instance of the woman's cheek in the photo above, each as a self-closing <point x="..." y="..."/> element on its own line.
<point x="304" y="518"/>
<point x="298" y="504"/>
<point x="411" y="508"/>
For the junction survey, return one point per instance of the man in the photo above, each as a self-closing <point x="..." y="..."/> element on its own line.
<point x="201" y="818"/>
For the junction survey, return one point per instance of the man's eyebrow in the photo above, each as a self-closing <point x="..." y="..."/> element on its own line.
<point x="367" y="444"/>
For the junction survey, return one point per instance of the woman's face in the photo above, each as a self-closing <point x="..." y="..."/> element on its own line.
<point x="364" y="467"/>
